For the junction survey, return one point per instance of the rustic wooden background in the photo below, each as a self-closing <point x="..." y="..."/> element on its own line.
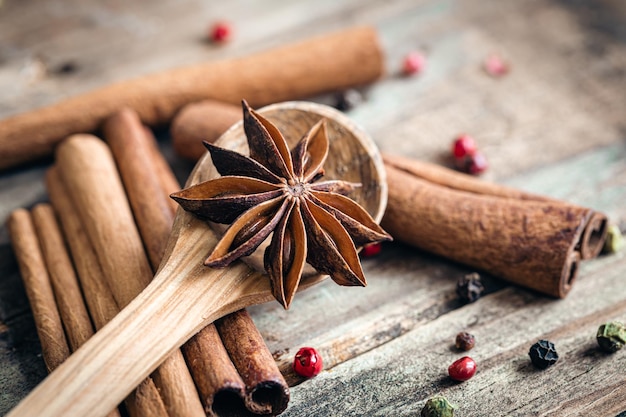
<point x="555" y="125"/>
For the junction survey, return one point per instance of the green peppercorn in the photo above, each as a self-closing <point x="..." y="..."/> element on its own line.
<point x="611" y="336"/>
<point x="437" y="406"/>
<point x="614" y="240"/>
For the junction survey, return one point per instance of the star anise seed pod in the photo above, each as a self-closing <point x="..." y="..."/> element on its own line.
<point x="277" y="190"/>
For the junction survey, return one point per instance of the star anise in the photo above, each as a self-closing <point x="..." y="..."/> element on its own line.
<point x="277" y="190"/>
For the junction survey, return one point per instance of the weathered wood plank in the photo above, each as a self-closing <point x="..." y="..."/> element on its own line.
<point x="403" y="373"/>
<point x="563" y="98"/>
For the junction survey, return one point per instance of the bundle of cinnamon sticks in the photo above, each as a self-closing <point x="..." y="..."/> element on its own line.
<point x="226" y="366"/>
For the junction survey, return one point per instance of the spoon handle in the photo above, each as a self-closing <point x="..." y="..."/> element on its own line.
<point x="182" y="298"/>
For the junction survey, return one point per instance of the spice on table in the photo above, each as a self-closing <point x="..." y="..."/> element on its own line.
<point x="614" y="240"/>
<point x="611" y="336"/>
<point x="462" y="369"/>
<point x="463" y="146"/>
<point x="220" y="32"/>
<point x="543" y="354"/>
<point x="477" y="164"/>
<point x="414" y="63"/>
<point x="372" y="249"/>
<point x="469" y="288"/>
<point x="307" y="362"/>
<point x="277" y="190"/>
<point x="495" y="66"/>
<point x="464" y="341"/>
<point x="437" y="406"/>
<point x="467" y="157"/>
<point x="348" y="99"/>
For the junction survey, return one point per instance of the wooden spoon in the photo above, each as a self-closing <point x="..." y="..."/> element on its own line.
<point x="185" y="295"/>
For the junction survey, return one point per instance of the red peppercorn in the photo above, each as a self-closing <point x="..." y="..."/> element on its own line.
<point x="414" y="63"/>
<point x="462" y="369"/>
<point x="372" y="249"/>
<point x="463" y="146"/>
<point x="220" y="32"/>
<point x="477" y="164"/>
<point x="307" y="362"/>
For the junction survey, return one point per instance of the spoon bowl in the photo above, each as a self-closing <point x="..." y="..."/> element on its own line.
<point x="185" y="295"/>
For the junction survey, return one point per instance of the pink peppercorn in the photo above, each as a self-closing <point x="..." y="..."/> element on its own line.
<point x="220" y="32"/>
<point x="463" y="146"/>
<point x="414" y="63"/>
<point x="372" y="249"/>
<point x="495" y="66"/>
<point x="462" y="369"/>
<point x="307" y="362"/>
<point x="477" y="164"/>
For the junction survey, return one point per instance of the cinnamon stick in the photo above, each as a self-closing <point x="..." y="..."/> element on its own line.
<point x="326" y="63"/>
<point x="145" y="400"/>
<point x="99" y="198"/>
<point x="202" y="121"/>
<point x="148" y="180"/>
<point x="67" y="292"/>
<point x="595" y="230"/>
<point x="266" y="389"/>
<point x="54" y="346"/>
<point x="98" y="297"/>
<point x="529" y="240"/>
<point x="220" y="386"/>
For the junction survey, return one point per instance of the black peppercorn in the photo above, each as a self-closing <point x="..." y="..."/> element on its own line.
<point x="469" y="288"/>
<point x="437" y="406"/>
<point x="347" y="100"/>
<point x="611" y="336"/>
<point x="543" y="354"/>
<point x="464" y="341"/>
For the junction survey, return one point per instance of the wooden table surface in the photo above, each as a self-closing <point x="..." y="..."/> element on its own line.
<point x="555" y="125"/>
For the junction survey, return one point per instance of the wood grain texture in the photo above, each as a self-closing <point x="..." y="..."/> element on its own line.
<point x="553" y="126"/>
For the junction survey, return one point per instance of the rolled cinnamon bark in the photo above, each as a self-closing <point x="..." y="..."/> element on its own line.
<point x="98" y="297"/>
<point x="530" y="240"/>
<point x="220" y="386"/>
<point x="145" y="400"/>
<point x="87" y="168"/>
<point x="202" y="121"/>
<point x="266" y="389"/>
<point x="67" y="292"/>
<point x="327" y="63"/>
<point x="149" y="181"/>
<point x="54" y="346"/>
<point x="595" y="229"/>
